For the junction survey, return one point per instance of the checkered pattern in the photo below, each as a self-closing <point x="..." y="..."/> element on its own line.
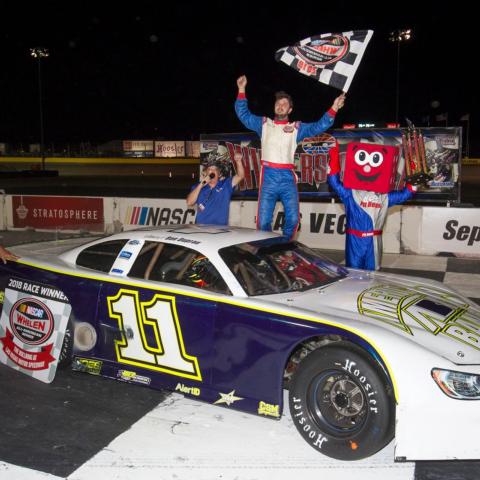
<point x="306" y="58"/>
<point x="60" y="312"/>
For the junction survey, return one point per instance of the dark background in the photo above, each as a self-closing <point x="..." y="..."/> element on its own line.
<point x="145" y="70"/>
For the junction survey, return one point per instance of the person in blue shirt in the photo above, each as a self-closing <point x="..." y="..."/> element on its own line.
<point x="213" y="193"/>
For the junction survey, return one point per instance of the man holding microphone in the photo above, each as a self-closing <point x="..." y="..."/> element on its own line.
<point x="213" y="193"/>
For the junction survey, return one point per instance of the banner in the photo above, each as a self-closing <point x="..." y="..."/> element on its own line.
<point x="450" y="230"/>
<point x="330" y="58"/>
<point x="192" y="149"/>
<point x="52" y="213"/>
<point x="442" y="152"/>
<point x="138" y="146"/>
<point x="32" y="327"/>
<point x="170" y="149"/>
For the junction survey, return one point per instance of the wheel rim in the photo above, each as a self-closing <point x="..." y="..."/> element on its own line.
<point x="337" y="403"/>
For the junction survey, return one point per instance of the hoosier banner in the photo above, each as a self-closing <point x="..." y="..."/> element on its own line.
<point x="330" y="58"/>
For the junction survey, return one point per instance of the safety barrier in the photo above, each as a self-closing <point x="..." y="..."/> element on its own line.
<point x="408" y="229"/>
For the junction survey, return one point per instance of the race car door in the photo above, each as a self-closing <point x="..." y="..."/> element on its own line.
<point x="162" y="328"/>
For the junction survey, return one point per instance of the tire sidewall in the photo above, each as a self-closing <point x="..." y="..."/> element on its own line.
<point x="378" y="423"/>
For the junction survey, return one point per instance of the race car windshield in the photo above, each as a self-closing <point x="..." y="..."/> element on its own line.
<point x="267" y="267"/>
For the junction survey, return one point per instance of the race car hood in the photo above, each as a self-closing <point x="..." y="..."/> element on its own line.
<point x="426" y="311"/>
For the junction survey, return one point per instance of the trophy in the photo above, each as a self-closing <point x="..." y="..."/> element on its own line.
<point x="415" y="156"/>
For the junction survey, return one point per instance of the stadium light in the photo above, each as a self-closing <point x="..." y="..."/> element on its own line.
<point x="38" y="53"/>
<point x="399" y="36"/>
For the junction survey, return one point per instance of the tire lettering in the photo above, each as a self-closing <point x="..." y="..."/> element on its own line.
<point x="319" y="441"/>
<point x="348" y="366"/>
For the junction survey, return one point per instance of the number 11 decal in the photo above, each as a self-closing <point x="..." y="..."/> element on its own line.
<point x="162" y="349"/>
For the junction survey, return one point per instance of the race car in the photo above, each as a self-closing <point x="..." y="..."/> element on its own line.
<point x="238" y="318"/>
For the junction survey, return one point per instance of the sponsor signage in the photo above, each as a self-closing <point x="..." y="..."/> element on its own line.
<point x="142" y="212"/>
<point x="192" y="149"/>
<point x="68" y="213"/>
<point x="171" y="149"/>
<point x="454" y="230"/>
<point x="138" y="145"/>
<point x="442" y="157"/>
<point x="322" y="224"/>
<point x="32" y="326"/>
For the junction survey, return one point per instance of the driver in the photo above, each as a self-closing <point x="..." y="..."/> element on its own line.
<point x="198" y="271"/>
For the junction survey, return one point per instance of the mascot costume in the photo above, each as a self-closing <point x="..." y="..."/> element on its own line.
<point x="369" y="176"/>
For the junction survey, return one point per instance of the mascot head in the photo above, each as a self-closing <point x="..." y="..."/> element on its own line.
<point x="370" y="166"/>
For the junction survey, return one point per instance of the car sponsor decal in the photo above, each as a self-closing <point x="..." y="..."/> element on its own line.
<point x="134" y="377"/>
<point x="126" y="258"/>
<point x="32" y="327"/>
<point x="227" y="398"/>
<point x="268" y="409"/>
<point x="168" y="354"/>
<point x="87" y="365"/>
<point x="187" y="390"/>
<point x="449" y="315"/>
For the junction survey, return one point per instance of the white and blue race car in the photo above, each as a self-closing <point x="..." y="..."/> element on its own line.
<point x="235" y="316"/>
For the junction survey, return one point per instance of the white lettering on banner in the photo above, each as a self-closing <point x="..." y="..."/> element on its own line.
<point x="65" y="214"/>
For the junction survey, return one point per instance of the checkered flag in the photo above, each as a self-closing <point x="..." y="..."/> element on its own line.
<point x="331" y="58"/>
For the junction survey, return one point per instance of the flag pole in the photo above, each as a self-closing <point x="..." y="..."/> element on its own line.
<point x="467" y="144"/>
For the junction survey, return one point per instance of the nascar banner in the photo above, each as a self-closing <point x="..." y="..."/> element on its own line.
<point x="330" y="58"/>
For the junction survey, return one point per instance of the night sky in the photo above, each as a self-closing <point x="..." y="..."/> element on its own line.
<point x="146" y="70"/>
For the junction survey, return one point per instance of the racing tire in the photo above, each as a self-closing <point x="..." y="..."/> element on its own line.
<point x="66" y="353"/>
<point x="341" y="403"/>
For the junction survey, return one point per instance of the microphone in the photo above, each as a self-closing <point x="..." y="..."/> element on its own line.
<point x="210" y="176"/>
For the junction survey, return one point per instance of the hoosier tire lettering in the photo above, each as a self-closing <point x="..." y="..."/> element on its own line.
<point x="341" y="403"/>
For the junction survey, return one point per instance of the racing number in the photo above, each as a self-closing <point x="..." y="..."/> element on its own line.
<point x="167" y="353"/>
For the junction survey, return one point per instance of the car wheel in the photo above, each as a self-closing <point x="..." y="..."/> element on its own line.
<point x="66" y="353"/>
<point x="341" y="403"/>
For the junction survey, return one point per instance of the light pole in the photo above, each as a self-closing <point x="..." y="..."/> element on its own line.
<point x="39" y="53"/>
<point x="398" y="36"/>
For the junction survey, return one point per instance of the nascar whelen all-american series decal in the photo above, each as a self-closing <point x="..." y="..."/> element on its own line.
<point x="32" y="327"/>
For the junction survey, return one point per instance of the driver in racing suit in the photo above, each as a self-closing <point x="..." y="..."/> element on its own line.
<point x="280" y="138"/>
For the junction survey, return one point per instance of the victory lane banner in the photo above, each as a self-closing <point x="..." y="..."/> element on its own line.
<point x="441" y="159"/>
<point x="32" y="328"/>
